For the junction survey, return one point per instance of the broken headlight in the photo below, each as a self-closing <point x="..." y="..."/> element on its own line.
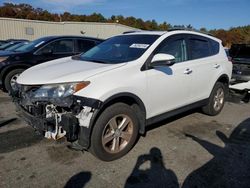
<point x="58" y="93"/>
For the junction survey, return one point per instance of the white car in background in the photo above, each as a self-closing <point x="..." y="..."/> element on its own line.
<point x="103" y="99"/>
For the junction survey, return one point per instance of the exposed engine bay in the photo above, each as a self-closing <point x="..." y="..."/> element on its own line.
<point x="55" y="119"/>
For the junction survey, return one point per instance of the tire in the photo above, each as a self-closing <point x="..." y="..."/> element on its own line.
<point x="108" y="141"/>
<point x="10" y="77"/>
<point x="216" y="100"/>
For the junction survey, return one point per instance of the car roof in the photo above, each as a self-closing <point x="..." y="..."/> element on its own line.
<point x="68" y="36"/>
<point x="172" y="31"/>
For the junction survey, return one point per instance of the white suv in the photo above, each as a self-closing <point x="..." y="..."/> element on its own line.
<point x="102" y="99"/>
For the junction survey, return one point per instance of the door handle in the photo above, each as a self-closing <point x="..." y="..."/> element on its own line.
<point x="216" y="66"/>
<point x="188" y="71"/>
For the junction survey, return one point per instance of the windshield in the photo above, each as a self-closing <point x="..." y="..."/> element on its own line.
<point x="4" y="46"/>
<point x="31" y="45"/>
<point x="120" y="49"/>
<point x="240" y="51"/>
<point x="12" y="48"/>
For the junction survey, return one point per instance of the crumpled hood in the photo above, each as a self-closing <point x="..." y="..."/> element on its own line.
<point x="63" y="70"/>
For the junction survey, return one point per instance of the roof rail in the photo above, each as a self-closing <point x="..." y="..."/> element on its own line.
<point x="132" y="31"/>
<point x="187" y="29"/>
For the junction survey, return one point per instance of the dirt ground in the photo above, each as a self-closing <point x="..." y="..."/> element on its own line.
<point x="190" y="150"/>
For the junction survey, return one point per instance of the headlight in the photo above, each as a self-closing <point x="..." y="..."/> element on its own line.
<point x="59" y="94"/>
<point x="3" y="58"/>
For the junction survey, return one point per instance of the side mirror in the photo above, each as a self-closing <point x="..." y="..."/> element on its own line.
<point x="162" y="60"/>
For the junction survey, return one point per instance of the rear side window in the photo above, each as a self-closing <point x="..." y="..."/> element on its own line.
<point x="199" y="48"/>
<point x="84" y="45"/>
<point x="214" y="47"/>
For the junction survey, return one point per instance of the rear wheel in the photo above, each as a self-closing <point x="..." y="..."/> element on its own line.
<point x="216" y="100"/>
<point x="114" y="133"/>
<point x="10" y="79"/>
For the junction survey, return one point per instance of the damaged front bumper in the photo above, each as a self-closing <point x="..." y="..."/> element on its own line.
<point x="54" y="121"/>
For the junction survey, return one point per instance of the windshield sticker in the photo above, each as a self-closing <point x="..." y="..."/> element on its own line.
<point x="39" y="44"/>
<point x="142" y="46"/>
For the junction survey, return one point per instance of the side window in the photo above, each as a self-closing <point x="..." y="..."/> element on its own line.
<point x="199" y="48"/>
<point x="84" y="45"/>
<point x="59" y="46"/>
<point x="215" y="47"/>
<point x="177" y="48"/>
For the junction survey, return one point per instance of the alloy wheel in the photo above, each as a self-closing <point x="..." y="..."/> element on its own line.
<point x="117" y="133"/>
<point x="219" y="99"/>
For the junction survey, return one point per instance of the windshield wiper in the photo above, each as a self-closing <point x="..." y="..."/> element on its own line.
<point x="98" y="61"/>
<point x="94" y="60"/>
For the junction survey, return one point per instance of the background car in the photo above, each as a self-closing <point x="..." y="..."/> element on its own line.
<point x="13" y="48"/>
<point x="240" y="54"/>
<point x="12" y="64"/>
<point x="11" y="43"/>
<point x="2" y="42"/>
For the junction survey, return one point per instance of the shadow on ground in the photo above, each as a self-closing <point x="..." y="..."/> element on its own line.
<point x="150" y="171"/>
<point x="171" y="119"/>
<point x="17" y="139"/>
<point x="6" y="122"/>
<point x="229" y="167"/>
<point x="79" y="180"/>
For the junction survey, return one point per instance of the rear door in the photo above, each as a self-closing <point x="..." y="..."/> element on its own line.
<point x="206" y="66"/>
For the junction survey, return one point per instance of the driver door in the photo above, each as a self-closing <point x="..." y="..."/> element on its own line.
<point x="169" y="86"/>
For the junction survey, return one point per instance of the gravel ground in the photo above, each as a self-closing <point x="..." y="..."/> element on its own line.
<point x="190" y="150"/>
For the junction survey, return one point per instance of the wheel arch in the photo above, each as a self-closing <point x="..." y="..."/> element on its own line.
<point x="225" y="80"/>
<point x="128" y="98"/>
<point x="7" y="69"/>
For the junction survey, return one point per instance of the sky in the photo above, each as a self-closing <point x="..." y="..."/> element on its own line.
<point x="211" y="14"/>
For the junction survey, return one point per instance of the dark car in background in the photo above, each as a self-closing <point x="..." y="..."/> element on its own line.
<point x="2" y="42"/>
<point x="13" y="48"/>
<point x="240" y="54"/>
<point x="11" y="43"/>
<point x="12" y="64"/>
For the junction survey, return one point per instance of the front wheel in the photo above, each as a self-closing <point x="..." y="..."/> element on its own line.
<point x="216" y="100"/>
<point x="115" y="132"/>
<point x="10" y="79"/>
